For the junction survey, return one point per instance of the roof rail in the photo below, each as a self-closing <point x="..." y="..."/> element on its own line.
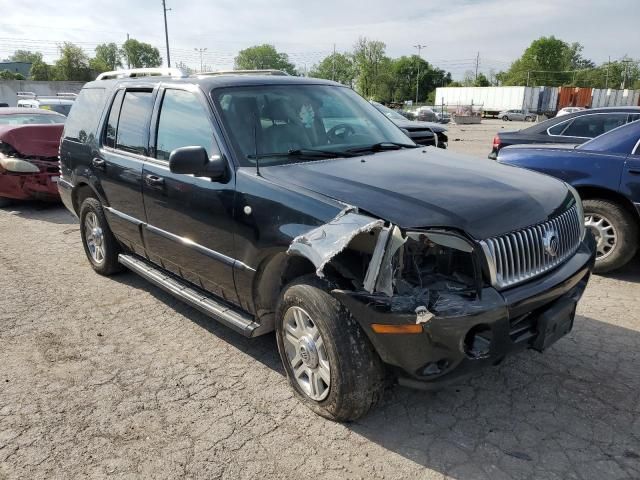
<point x="245" y="72"/>
<point x="27" y="94"/>
<point x="141" y="72"/>
<point x="66" y="94"/>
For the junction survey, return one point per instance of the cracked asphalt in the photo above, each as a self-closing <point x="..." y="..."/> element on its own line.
<point x="111" y="377"/>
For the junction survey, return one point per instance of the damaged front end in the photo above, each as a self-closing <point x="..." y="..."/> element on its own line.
<point x="29" y="166"/>
<point x="422" y="299"/>
<point x="420" y="272"/>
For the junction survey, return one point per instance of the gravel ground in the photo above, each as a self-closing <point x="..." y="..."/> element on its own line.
<point x="111" y="377"/>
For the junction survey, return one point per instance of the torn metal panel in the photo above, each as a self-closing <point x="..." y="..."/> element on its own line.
<point x="386" y="272"/>
<point x="378" y="255"/>
<point x="323" y="243"/>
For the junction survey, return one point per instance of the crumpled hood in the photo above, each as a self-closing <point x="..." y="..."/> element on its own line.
<point x="33" y="140"/>
<point x="429" y="187"/>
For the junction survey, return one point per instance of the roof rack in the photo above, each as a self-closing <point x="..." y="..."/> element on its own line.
<point x="27" y="94"/>
<point x="245" y="72"/>
<point x="142" y="72"/>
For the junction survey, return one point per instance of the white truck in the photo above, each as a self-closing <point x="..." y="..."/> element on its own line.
<point x="493" y="100"/>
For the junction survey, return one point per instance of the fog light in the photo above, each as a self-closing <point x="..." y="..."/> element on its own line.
<point x="434" y="368"/>
<point x="477" y="342"/>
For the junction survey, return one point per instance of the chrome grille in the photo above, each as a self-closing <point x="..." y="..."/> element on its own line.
<point x="527" y="253"/>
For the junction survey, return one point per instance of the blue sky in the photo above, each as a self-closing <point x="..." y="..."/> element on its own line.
<point x="453" y="30"/>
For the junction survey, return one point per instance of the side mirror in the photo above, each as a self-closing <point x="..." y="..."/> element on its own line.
<point x="196" y="161"/>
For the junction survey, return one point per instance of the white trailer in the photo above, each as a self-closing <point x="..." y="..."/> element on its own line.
<point x="492" y="100"/>
<point x="607" y="97"/>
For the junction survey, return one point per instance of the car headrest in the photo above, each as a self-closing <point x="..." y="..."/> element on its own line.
<point x="278" y="110"/>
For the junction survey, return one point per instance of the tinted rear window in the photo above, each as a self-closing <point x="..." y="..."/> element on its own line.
<point x="132" y="127"/>
<point x="84" y="115"/>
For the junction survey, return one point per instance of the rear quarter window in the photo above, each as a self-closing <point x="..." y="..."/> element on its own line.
<point x="132" y="133"/>
<point x="84" y="116"/>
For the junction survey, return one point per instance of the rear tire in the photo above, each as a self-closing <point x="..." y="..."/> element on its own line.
<point x="528" y="119"/>
<point x="616" y="232"/>
<point x="313" y="328"/>
<point x="99" y="244"/>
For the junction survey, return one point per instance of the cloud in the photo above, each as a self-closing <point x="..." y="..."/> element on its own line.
<point x="453" y="30"/>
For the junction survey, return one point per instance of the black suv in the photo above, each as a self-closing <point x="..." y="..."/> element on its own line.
<point x="292" y="204"/>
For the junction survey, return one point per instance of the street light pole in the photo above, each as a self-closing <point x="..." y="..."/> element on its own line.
<point x="166" y="31"/>
<point x="201" y="50"/>
<point x="419" y="47"/>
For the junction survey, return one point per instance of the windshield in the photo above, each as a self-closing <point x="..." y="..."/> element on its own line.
<point x="30" y="119"/>
<point x="274" y="121"/>
<point x="392" y="114"/>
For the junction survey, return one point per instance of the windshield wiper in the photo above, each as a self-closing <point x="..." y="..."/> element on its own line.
<point x="381" y="146"/>
<point x="302" y="152"/>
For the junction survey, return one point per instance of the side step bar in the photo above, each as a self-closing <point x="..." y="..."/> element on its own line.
<point x="232" y="318"/>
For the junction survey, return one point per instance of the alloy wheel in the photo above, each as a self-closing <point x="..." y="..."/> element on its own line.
<point x="94" y="237"/>
<point x="604" y="233"/>
<point x="306" y="353"/>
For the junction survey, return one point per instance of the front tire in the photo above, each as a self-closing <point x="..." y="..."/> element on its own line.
<point x="505" y="118"/>
<point x="99" y="244"/>
<point x="5" y="202"/>
<point x="329" y="361"/>
<point x="616" y="233"/>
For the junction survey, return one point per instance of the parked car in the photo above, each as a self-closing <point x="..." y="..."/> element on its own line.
<point x="420" y="132"/>
<point x="568" y="110"/>
<point x="606" y="173"/>
<point x="60" y="103"/>
<point x="425" y="114"/>
<point x="290" y="204"/>
<point x="443" y="117"/>
<point x="573" y="128"/>
<point x="517" y="115"/>
<point x="29" y="143"/>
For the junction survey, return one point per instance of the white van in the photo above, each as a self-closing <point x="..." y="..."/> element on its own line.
<point x="60" y="103"/>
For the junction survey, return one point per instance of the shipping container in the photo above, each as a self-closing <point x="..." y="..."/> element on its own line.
<point x="539" y="100"/>
<point x="607" y="97"/>
<point x="574" y="97"/>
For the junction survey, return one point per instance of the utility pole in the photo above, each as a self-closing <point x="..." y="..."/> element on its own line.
<point x="166" y="31"/>
<point x="333" y="74"/>
<point x="201" y="51"/>
<point x="477" y="63"/>
<point x="419" y="47"/>
<point x="606" y="78"/>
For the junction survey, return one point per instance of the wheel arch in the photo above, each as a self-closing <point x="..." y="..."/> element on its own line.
<point x="80" y="192"/>
<point x="591" y="192"/>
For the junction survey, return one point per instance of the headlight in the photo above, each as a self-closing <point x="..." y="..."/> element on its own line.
<point x="580" y="209"/>
<point x="18" y="166"/>
<point x="439" y="261"/>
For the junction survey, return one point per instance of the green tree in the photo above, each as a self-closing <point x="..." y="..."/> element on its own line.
<point x="107" y="58"/>
<point x="405" y="71"/>
<point x="338" y="67"/>
<point x="9" y="75"/>
<point x="368" y="56"/>
<point x="481" y="81"/>
<point x="26" y="56"/>
<point x="140" y="55"/>
<point x="547" y="61"/>
<point x="41" y="71"/>
<point x="263" y="56"/>
<point x="73" y="64"/>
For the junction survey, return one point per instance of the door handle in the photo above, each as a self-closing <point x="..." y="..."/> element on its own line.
<point x="99" y="163"/>
<point x="634" y="171"/>
<point x="154" y="180"/>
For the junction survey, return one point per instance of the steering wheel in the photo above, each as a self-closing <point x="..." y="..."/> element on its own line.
<point x="339" y="132"/>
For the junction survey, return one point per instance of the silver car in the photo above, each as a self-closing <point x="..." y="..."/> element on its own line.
<point x="518" y="115"/>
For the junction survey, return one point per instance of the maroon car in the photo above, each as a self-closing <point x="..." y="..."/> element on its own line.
<point x="29" y="140"/>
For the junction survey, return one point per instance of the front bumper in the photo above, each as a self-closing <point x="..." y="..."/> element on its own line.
<point x="507" y="321"/>
<point x="30" y="186"/>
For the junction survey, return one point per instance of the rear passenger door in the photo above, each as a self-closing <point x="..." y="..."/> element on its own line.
<point x="118" y="166"/>
<point x="190" y="219"/>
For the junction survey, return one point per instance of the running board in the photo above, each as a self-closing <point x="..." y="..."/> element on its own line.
<point x="232" y="318"/>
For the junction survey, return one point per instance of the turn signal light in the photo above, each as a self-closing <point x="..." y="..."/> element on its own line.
<point x="395" y="329"/>
<point x="496" y="142"/>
